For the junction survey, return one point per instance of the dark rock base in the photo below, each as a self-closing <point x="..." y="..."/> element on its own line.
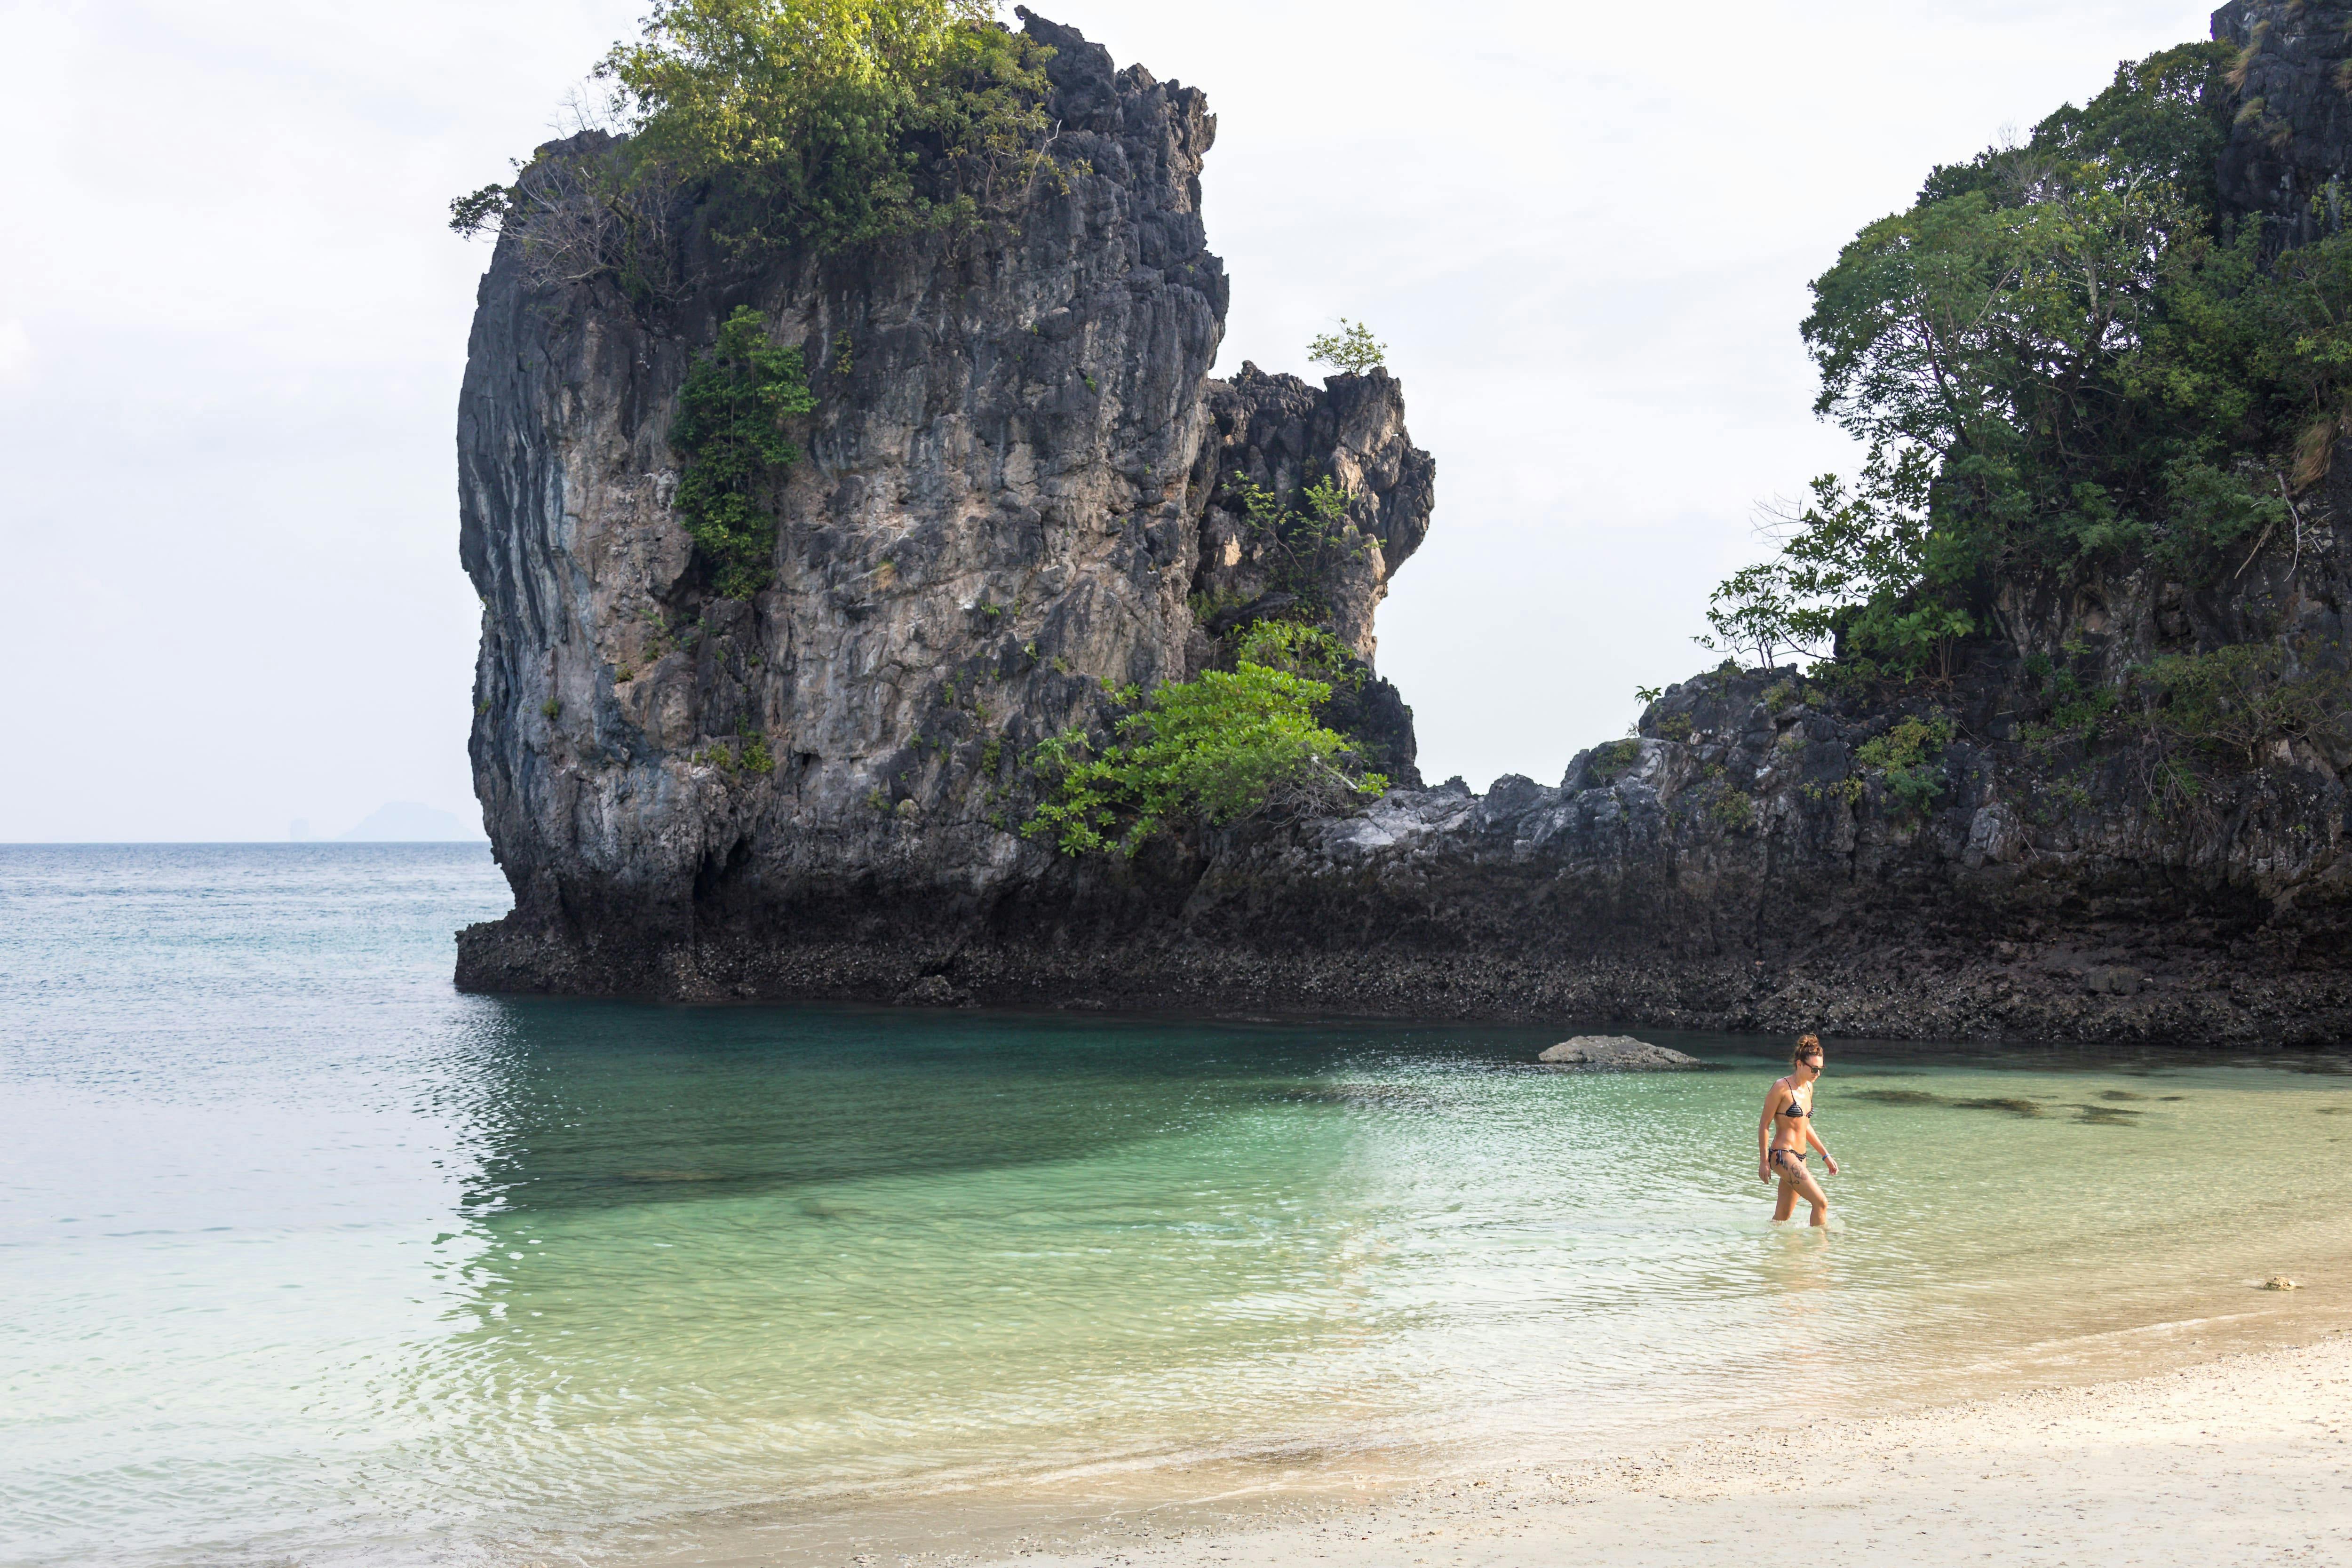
<point x="1926" y="995"/>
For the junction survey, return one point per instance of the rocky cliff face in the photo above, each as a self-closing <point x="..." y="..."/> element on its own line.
<point x="2294" y="134"/>
<point x="1022" y="487"/>
<point x="1002" y="514"/>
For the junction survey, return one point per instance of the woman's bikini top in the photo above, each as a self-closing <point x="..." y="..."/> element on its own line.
<point x="1792" y="1109"/>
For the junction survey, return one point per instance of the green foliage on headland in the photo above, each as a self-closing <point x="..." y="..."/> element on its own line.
<point x="1224" y="745"/>
<point x="824" y="122"/>
<point x="1351" y="351"/>
<point x="731" y="437"/>
<point x="836" y="120"/>
<point x="2065" y="361"/>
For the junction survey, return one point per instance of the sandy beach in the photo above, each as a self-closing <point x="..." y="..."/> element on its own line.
<point x="2247" y="1459"/>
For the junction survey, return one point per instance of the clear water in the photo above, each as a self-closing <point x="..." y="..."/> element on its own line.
<point x="308" y="1259"/>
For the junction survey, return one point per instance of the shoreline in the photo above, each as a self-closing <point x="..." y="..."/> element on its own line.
<point x="2245" y="1458"/>
<point x="2246" y="1449"/>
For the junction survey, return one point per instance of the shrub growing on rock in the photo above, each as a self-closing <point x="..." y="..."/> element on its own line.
<point x="1908" y="757"/>
<point x="825" y="123"/>
<point x="2238" y="700"/>
<point x="729" y="433"/>
<point x="1612" y="759"/>
<point x="1352" y="350"/>
<point x="1224" y="745"/>
<point x="1304" y="545"/>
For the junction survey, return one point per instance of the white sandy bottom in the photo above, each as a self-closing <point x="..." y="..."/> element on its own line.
<point x="2243" y="1460"/>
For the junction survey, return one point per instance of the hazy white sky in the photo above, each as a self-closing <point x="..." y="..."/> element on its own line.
<point x="231" y="326"/>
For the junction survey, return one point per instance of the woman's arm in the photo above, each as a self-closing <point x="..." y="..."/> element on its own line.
<point x="1815" y="1140"/>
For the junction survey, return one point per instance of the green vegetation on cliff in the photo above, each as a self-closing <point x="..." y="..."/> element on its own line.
<point x="730" y="436"/>
<point x="836" y="120"/>
<point x="824" y="122"/>
<point x="1351" y="351"/>
<point x="1219" y="747"/>
<point x="2066" y="360"/>
<point x="1305" y="545"/>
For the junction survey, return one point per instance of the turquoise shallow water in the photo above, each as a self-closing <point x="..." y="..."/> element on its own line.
<point x="310" y="1259"/>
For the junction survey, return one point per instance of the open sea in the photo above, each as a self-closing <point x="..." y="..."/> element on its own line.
<point x="308" y="1259"/>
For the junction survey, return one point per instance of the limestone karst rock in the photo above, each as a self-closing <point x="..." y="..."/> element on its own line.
<point x="999" y="517"/>
<point x="1021" y="490"/>
<point x="2293" y="138"/>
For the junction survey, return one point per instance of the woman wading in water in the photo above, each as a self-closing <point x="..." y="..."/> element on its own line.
<point x="1787" y="1131"/>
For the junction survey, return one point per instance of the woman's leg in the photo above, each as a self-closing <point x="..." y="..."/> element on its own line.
<point x="1785" y="1204"/>
<point x="1805" y="1187"/>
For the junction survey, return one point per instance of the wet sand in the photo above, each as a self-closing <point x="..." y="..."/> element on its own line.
<point x="2247" y="1459"/>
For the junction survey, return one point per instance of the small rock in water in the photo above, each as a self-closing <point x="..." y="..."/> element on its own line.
<point x="930" y="991"/>
<point x="2280" y="1282"/>
<point x="1621" y="1052"/>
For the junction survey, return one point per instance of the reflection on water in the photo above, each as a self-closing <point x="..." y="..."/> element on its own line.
<point x="310" y="1256"/>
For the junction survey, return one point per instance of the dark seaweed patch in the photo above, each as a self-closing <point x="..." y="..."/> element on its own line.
<point x="1895" y="1096"/>
<point x="1921" y="1097"/>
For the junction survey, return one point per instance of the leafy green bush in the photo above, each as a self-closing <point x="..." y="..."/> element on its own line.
<point x="1902" y="755"/>
<point x="1299" y="649"/>
<point x="1906" y="743"/>
<point x="2063" y="359"/>
<point x="1612" y="758"/>
<point x="1223" y="746"/>
<point x="837" y="120"/>
<point x="1352" y="349"/>
<point x="828" y="122"/>
<point x="1847" y="789"/>
<point x="2075" y="714"/>
<point x="2236" y="701"/>
<point x="729" y="434"/>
